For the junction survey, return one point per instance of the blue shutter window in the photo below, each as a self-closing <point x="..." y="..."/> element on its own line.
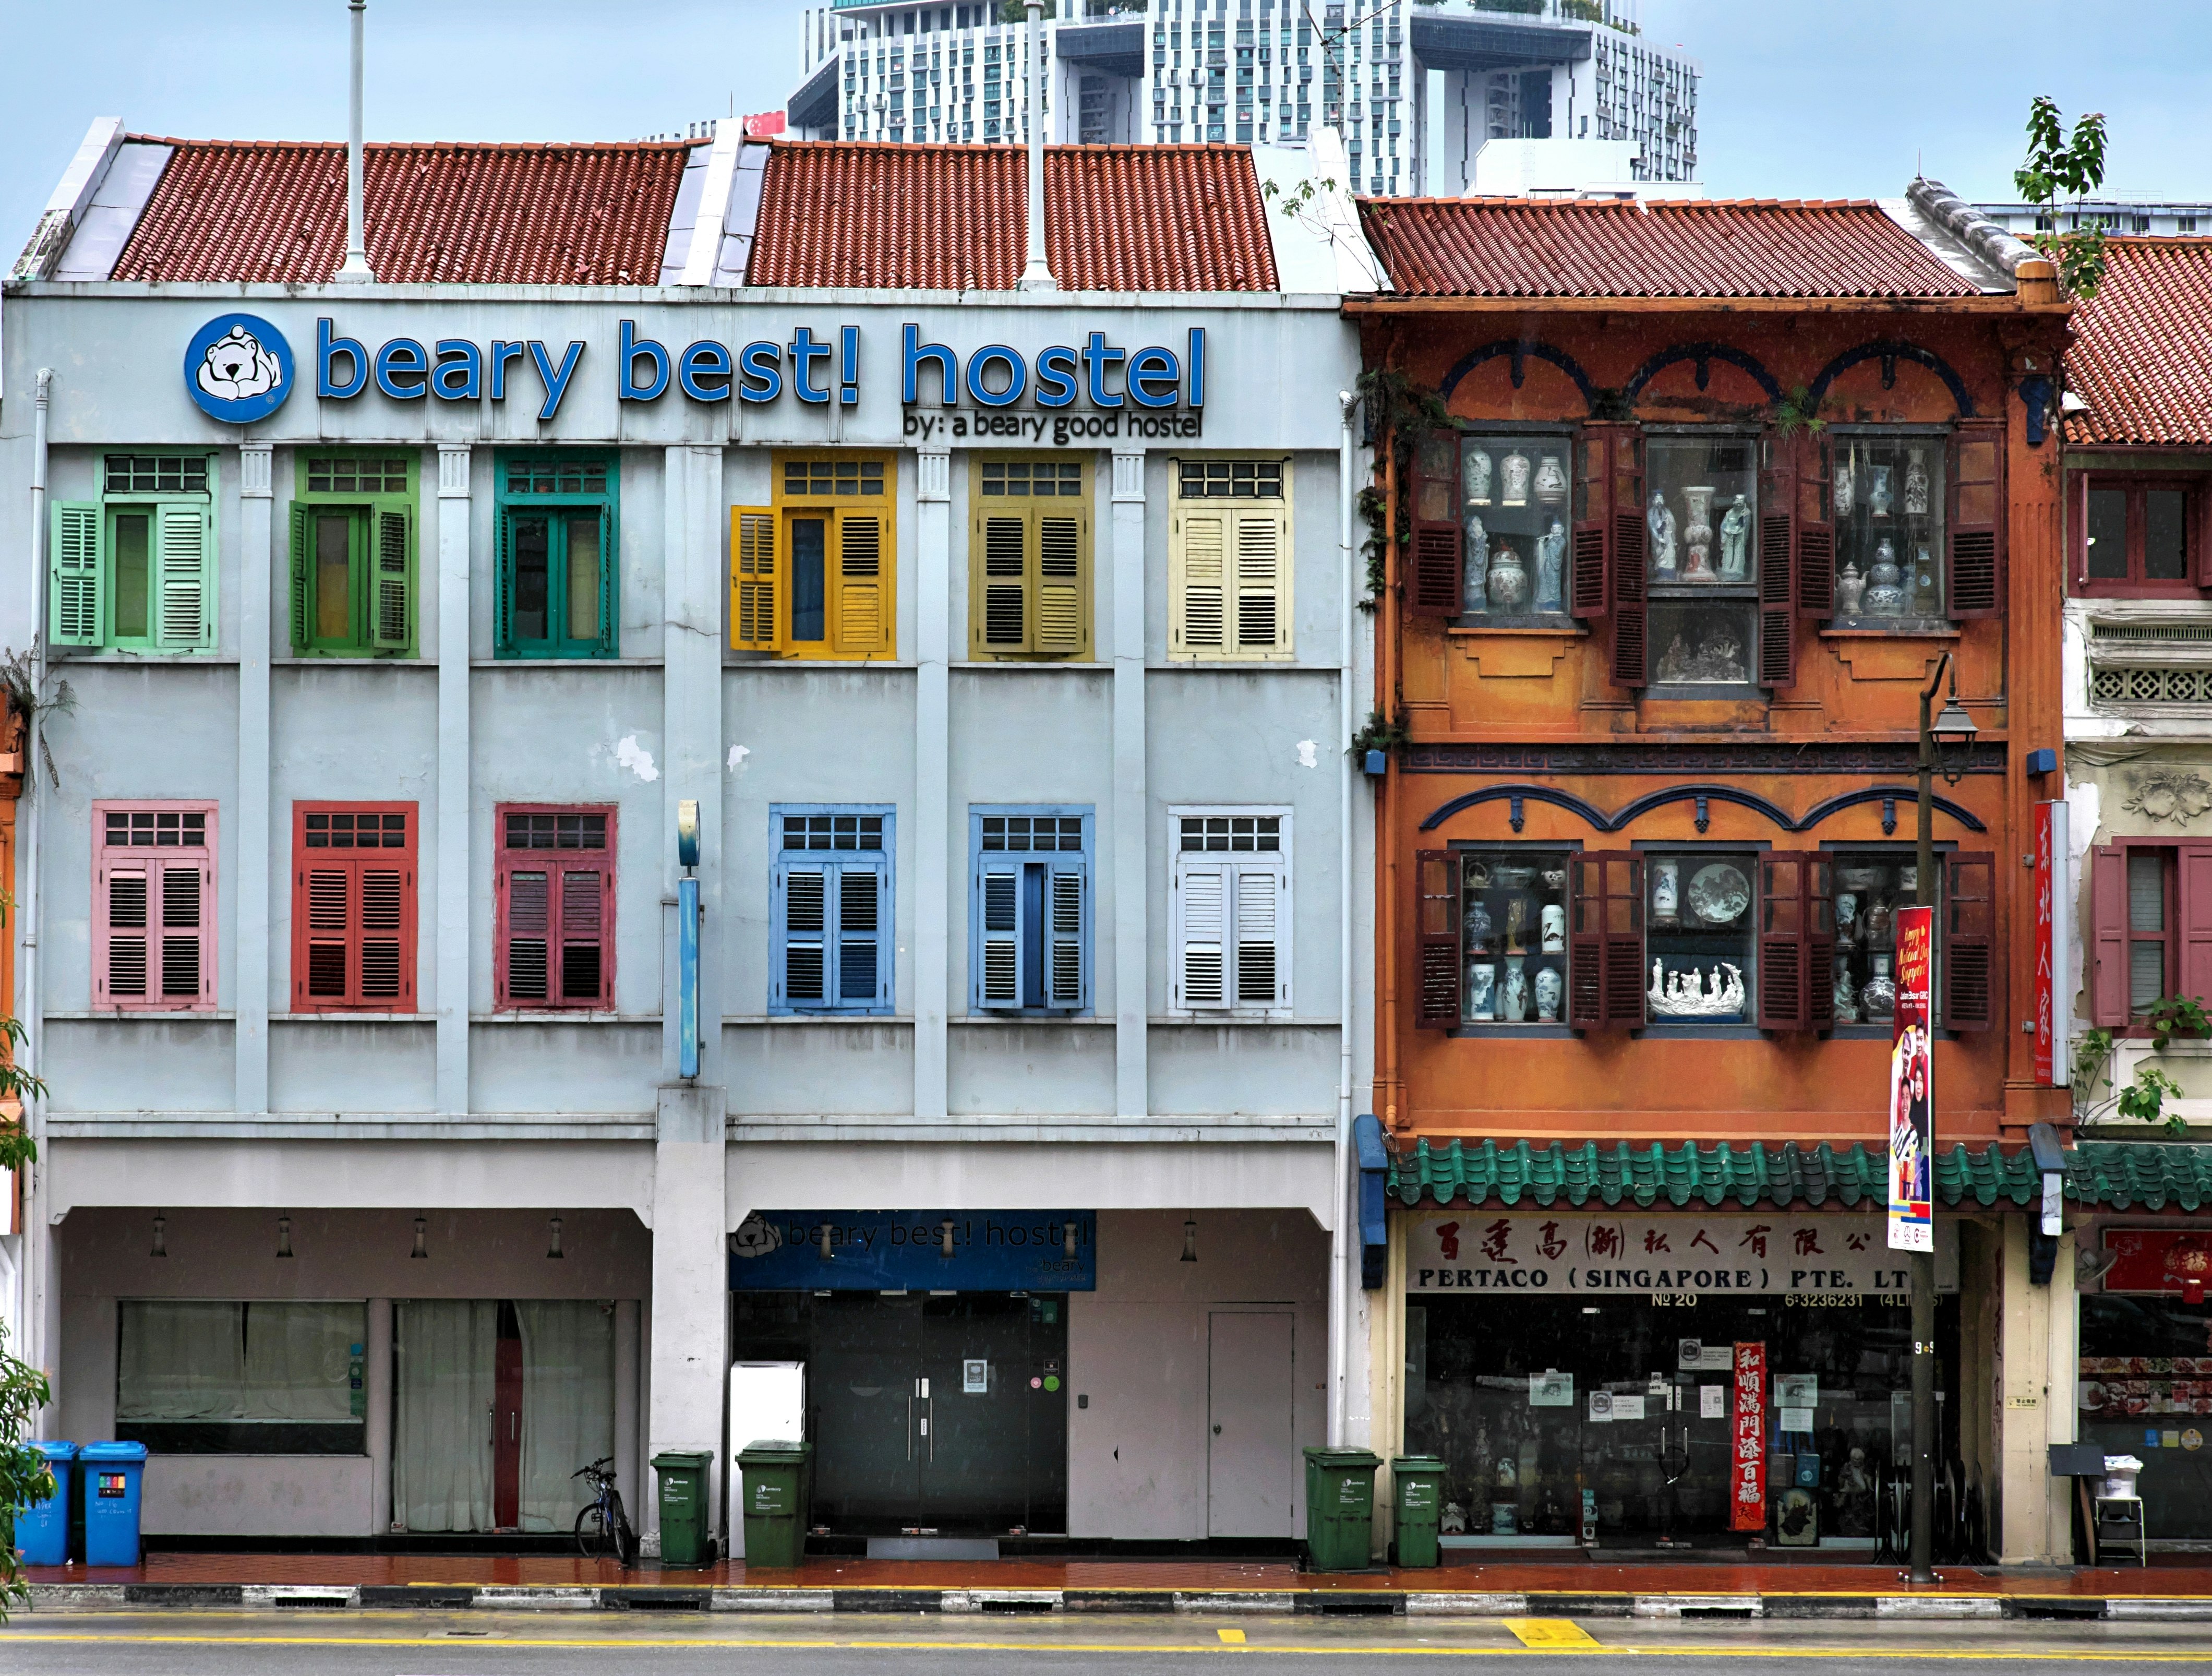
<point x="1030" y="937"/>
<point x="829" y="908"/>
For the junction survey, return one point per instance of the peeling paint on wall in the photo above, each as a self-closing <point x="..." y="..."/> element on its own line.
<point x="737" y="755"/>
<point x="1308" y="754"/>
<point x="635" y="758"/>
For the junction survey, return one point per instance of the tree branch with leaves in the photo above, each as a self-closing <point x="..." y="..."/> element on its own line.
<point x="2059" y="166"/>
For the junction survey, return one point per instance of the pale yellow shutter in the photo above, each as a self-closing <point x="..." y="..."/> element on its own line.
<point x="756" y="625"/>
<point x="1063" y="540"/>
<point x="1197" y="584"/>
<point x="1005" y="537"/>
<point x="1262" y="592"/>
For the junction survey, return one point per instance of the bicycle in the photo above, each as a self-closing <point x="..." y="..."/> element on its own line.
<point x="603" y="1529"/>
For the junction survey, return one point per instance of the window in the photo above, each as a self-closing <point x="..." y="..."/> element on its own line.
<point x="1887" y="493"/>
<point x="353" y="557"/>
<point x="1493" y="932"/>
<point x="2142" y="536"/>
<point x="353" y="907"/>
<point x="553" y="883"/>
<point x="1029" y="587"/>
<point x="1868" y="888"/>
<point x="201" y="1378"/>
<point x="2150" y="930"/>
<point x="1231" y="880"/>
<point x="1701" y="563"/>
<point x="135" y="569"/>
<point x="559" y="574"/>
<point x="153" y="906"/>
<point x="1229" y="561"/>
<point x="829" y="891"/>
<point x="1030" y="921"/>
<point x="812" y="576"/>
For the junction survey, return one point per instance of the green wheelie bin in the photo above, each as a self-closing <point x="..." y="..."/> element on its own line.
<point x="1339" y="1507"/>
<point x="1418" y="1481"/>
<point x="684" y="1514"/>
<point x="778" y="1479"/>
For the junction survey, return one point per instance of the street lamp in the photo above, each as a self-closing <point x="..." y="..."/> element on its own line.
<point x="1945" y="745"/>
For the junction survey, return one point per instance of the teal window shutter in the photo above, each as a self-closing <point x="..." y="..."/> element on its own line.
<point x="503" y="587"/>
<point x="303" y="529"/>
<point x="77" y="604"/>
<point x="184" y="569"/>
<point x="610" y="586"/>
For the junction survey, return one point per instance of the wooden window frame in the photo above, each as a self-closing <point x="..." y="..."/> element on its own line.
<point x="1033" y="509"/>
<point x="110" y="859"/>
<point x="557" y="864"/>
<point x="834" y="863"/>
<point x="1187" y="642"/>
<point x="370" y="514"/>
<point x="2196" y="523"/>
<point x="2188" y="959"/>
<point x="508" y="503"/>
<point x="80" y="560"/>
<point x="1057" y="864"/>
<point x="1232" y="868"/>
<point x="407" y="931"/>
<point x="762" y="583"/>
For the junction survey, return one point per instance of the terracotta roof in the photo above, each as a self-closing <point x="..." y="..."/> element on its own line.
<point x="2143" y="352"/>
<point x="1513" y="247"/>
<point x="1117" y="217"/>
<point x="512" y="214"/>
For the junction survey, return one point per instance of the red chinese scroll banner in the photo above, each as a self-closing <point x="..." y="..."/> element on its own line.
<point x="1748" y="1502"/>
<point x="2053" y="955"/>
<point x="1912" y="1090"/>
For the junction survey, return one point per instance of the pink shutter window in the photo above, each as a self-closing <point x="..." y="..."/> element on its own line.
<point x="2108" y="936"/>
<point x="553" y="879"/>
<point x="2192" y="864"/>
<point x="153" y="905"/>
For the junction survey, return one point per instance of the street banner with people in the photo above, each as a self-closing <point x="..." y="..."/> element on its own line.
<point x="1912" y="1090"/>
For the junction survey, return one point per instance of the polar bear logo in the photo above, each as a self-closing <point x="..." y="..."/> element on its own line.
<point x="236" y="367"/>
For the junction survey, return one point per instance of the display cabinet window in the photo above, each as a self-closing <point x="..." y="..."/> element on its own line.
<point x="2150" y="928"/>
<point x="1701" y="560"/>
<point x="1887" y="493"/>
<point x="195" y="1377"/>
<point x="559" y="576"/>
<point x="1028" y="552"/>
<point x="353" y="557"/>
<point x="1510" y="500"/>
<point x="813" y="575"/>
<point x="2142" y="537"/>
<point x="1030" y="912"/>
<point x="553" y="885"/>
<point x="135" y="569"/>
<point x="1702" y="956"/>
<point x="1229" y="560"/>
<point x="829" y="900"/>
<point x="1869" y="887"/>
<point x="1493" y="946"/>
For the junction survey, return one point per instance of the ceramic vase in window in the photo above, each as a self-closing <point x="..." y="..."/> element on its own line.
<point x="1513" y="471"/>
<point x="1555" y="928"/>
<point x="1666" y="892"/>
<point x="1879" y="994"/>
<point x="1478" y="478"/>
<point x="1513" y="993"/>
<point x="1509" y="580"/>
<point x="1915" y="484"/>
<point x="1851" y="589"/>
<point x="1551" y="480"/>
<point x="1879" y="497"/>
<point x="1476" y="581"/>
<point x="1885" y="588"/>
<point x="1923" y="582"/>
<point x="1550" y="986"/>
<point x="1474" y="927"/>
<point x="1481" y="991"/>
<point x="1847" y="1002"/>
<point x="1844" y="487"/>
<point x="1698" y="534"/>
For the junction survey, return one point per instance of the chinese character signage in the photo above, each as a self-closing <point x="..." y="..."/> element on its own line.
<point x="1747" y="1439"/>
<point x="2168" y="1260"/>
<point x="1531" y="1253"/>
<point x="1912" y="1090"/>
<point x="2052" y="1022"/>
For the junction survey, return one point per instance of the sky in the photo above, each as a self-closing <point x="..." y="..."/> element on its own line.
<point x="1799" y="98"/>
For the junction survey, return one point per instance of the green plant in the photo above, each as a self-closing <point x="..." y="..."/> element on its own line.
<point x="1380" y="735"/>
<point x="1798" y="411"/>
<point x="24" y="1478"/>
<point x="1014" y="11"/>
<point x="1399" y="410"/>
<point x="2075" y="167"/>
<point x="2172" y="1016"/>
<point x="2144" y="1100"/>
<point x="52" y="696"/>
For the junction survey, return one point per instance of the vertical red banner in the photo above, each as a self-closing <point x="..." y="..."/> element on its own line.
<point x="1912" y="1088"/>
<point x="2045" y="908"/>
<point x="1747" y="1452"/>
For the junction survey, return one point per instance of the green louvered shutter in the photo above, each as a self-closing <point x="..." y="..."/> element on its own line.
<point x="302" y="532"/>
<point x="185" y="579"/>
<point x="610" y="587"/>
<point x="392" y="579"/>
<point x="77" y="610"/>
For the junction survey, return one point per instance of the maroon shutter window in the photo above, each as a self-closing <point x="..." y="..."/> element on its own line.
<point x="1816" y="529"/>
<point x="1437" y="941"/>
<point x="1593" y="534"/>
<point x="553" y="881"/>
<point x="354" y="907"/>
<point x="1783" y="954"/>
<point x="1819" y="943"/>
<point x="1975" y="530"/>
<point x="2108" y="936"/>
<point x="1777" y="569"/>
<point x="1605" y="959"/>
<point x="1433" y="589"/>
<point x="2192" y="866"/>
<point x="1968" y="943"/>
<point x="2199" y="525"/>
<point x="1629" y="631"/>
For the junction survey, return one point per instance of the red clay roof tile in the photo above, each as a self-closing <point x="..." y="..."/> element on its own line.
<point x="1117" y="217"/>
<point x="263" y="212"/>
<point x="2141" y="356"/>
<point x="1670" y="248"/>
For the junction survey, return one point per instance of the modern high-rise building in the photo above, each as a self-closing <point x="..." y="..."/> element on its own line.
<point x="1417" y="88"/>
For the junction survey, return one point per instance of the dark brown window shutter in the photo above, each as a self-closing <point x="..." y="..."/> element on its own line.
<point x="1605" y="958"/>
<point x="1592" y="589"/>
<point x="1975" y="528"/>
<point x="1819" y="943"/>
<point x="1436" y="939"/>
<point x="2199" y="526"/>
<point x="2108" y="936"/>
<point x="1969" y="941"/>
<point x="1631" y="634"/>
<point x="1816" y="528"/>
<point x="2192" y="866"/>
<point x="1586" y="944"/>
<point x="1777" y="571"/>
<point x="1433" y="588"/>
<point x="1782" y="956"/>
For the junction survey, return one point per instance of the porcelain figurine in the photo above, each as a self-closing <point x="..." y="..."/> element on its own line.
<point x="1697" y="535"/>
<point x="1878" y="496"/>
<point x="1509" y="581"/>
<point x="1474" y="927"/>
<point x="1660" y="519"/>
<point x="1513" y="471"/>
<point x="1551" y="480"/>
<point x="1513" y="993"/>
<point x="1849" y="926"/>
<point x="1924" y="581"/>
<point x="1851" y="589"/>
<point x="1452" y="1521"/>
<point x="1476" y="582"/>
<point x="1550" y="561"/>
<point x="1666" y="892"/>
<point x="1844" y="486"/>
<point x="1885" y="588"/>
<point x="1735" y="541"/>
<point x="1550" y="987"/>
<point x="1504" y="1518"/>
<point x="1481" y="992"/>
<point x="1915" y="484"/>
<point x="1880" y="995"/>
<point x="1555" y="928"/>
<point x="1692" y="993"/>
<point x="1517" y="925"/>
<point x="1477" y="477"/>
<point x="1847" y="1002"/>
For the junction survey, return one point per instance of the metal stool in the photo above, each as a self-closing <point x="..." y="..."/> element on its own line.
<point x="2120" y="1526"/>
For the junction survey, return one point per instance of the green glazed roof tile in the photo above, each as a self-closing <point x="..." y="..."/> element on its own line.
<point x="2147" y="1175"/>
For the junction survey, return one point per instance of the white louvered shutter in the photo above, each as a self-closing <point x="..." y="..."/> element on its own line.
<point x="1198" y="599"/>
<point x="1202" y="944"/>
<point x="1261" y="917"/>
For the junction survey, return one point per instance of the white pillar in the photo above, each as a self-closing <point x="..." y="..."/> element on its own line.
<point x="376" y="1412"/>
<point x="1132" y="810"/>
<point x="2035" y="1368"/>
<point x="932" y="815"/>
<point x="692" y="723"/>
<point x="251" y="833"/>
<point x="690" y="1287"/>
<point x="455" y="922"/>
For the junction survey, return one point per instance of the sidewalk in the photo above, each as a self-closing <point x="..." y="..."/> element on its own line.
<point x="1587" y="1588"/>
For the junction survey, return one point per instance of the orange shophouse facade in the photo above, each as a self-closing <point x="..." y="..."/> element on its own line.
<point x="1692" y="498"/>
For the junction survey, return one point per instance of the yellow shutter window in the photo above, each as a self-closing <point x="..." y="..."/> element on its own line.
<point x="1198" y="595"/>
<point x="1006" y="582"/>
<point x="861" y="619"/>
<point x="1261" y="627"/>
<point x="1059" y="584"/>
<point x="754" y="624"/>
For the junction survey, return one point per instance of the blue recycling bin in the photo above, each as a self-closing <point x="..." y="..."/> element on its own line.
<point x="110" y="1473"/>
<point x="42" y="1530"/>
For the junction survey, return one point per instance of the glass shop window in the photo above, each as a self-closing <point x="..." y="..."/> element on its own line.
<point x="1699" y="938"/>
<point x="1869" y="890"/>
<point x="1513" y="936"/>
<point x="1701" y="552"/>
<point x="1888" y="494"/>
<point x="1514" y="527"/>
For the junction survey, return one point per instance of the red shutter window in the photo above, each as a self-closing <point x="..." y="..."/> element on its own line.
<point x="1975" y="530"/>
<point x="1432" y="589"/>
<point x="1966" y="947"/>
<point x="1820" y="942"/>
<point x="1815" y="532"/>
<point x="1589" y="590"/>
<point x="1777" y="576"/>
<point x="553" y="881"/>
<point x="353" y="907"/>
<point x="1605" y="964"/>
<point x="1436" y="940"/>
<point x="1783" y="955"/>
<point x="153" y="906"/>
<point x="1629" y="557"/>
<point x="2108" y="936"/>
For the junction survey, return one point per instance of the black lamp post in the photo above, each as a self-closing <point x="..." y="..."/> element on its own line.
<point x="1945" y="742"/>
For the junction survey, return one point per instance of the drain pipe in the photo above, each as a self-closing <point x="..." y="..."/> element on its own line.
<point x="1036" y="272"/>
<point x="1340" y="1289"/>
<point x="356" y="270"/>
<point x="31" y="1276"/>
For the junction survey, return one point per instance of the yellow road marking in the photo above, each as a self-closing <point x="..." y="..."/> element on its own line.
<point x="1233" y="1637"/>
<point x="1549" y="1632"/>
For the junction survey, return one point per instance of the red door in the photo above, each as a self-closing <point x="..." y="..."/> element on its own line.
<point x="507" y="1433"/>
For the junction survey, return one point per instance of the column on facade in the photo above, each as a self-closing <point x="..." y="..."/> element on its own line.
<point x="454" y="919"/>
<point x="251" y="833"/>
<point x="2038" y="1335"/>
<point x="1132" y="1094"/>
<point x="931" y="767"/>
